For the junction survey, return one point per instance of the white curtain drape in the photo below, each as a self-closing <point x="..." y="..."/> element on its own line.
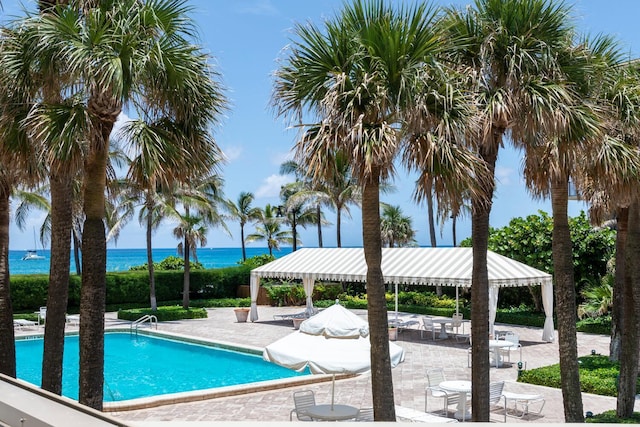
<point x="308" y="284"/>
<point x="493" y="306"/>
<point x="547" y="302"/>
<point x="254" y="287"/>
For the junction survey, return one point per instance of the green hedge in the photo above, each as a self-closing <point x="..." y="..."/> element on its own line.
<point x="28" y="292"/>
<point x="163" y="314"/>
<point x="598" y="375"/>
<point x="595" y="325"/>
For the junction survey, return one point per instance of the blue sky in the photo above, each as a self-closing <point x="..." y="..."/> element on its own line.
<point x="245" y="38"/>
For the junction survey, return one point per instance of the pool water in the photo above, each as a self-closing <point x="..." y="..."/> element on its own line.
<point x="141" y="366"/>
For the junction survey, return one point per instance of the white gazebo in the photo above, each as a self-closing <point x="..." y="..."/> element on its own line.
<point x="413" y="266"/>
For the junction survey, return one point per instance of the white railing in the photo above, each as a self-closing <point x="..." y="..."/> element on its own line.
<point x="153" y="320"/>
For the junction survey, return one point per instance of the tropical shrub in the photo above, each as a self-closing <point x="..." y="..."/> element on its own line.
<point x="163" y="314"/>
<point x="595" y="325"/>
<point x="257" y="261"/>
<point x="528" y="240"/>
<point x="170" y="263"/>
<point x="609" y="417"/>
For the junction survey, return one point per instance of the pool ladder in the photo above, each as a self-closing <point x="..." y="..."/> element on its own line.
<point x="153" y="320"/>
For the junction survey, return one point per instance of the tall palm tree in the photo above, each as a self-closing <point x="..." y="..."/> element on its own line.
<point x="243" y="212"/>
<point x="360" y="75"/>
<point x="396" y="228"/>
<point x="125" y="53"/>
<point x="509" y="49"/>
<point x="269" y="230"/>
<point x="192" y="231"/>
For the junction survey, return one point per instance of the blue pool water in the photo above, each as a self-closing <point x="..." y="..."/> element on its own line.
<point x="143" y="366"/>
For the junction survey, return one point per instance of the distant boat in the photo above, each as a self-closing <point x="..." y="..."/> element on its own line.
<point x="32" y="255"/>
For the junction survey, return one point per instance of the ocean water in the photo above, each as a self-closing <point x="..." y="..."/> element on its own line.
<point x="123" y="259"/>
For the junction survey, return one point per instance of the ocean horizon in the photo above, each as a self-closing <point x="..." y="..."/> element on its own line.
<point x="124" y="259"/>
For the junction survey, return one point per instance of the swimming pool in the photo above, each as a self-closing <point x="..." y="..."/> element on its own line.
<point x="138" y="366"/>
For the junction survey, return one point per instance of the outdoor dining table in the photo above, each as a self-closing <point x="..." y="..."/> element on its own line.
<point x="328" y="412"/>
<point x="463" y="387"/>
<point x="495" y="346"/>
<point x="443" y="326"/>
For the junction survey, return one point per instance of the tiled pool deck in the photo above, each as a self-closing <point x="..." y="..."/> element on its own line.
<point x="408" y="377"/>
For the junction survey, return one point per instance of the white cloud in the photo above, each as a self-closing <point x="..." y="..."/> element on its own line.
<point x="271" y="185"/>
<point x="232" y="153"/>
<point x="279" y="158"/>
<point x="257" y="7"/>
<point x="504" y="175"/>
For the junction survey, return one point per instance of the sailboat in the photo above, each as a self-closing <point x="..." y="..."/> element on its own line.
<point x="32" y="254"/>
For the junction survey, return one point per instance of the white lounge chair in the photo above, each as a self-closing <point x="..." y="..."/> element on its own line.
<point x="495" y="396"/>
<point x="73" y="319"/>
<point x="434" y="378"/>
<point x="302" y="399"/>
<point x="23" y="323"/>
<point x="365" y="414"/>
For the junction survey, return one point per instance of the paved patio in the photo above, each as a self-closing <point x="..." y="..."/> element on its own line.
<point x="409" y="377"/>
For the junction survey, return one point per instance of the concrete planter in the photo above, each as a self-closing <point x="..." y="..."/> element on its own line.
<point x="393" y="334"/>
<point x="242" y="314"/>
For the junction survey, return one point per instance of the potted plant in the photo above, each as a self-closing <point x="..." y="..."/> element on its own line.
<point x="393" y="333"/>
<point x="242" y="314"/>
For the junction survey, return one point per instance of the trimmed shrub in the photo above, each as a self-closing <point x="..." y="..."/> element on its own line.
<point x="610" y="417"/>
<point x="595" y="325"/>
<point x="163" y="314"/>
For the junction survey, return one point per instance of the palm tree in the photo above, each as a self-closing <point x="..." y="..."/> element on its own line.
<point x="295" y="211"/>
<point x="361" y="74"/>
<point x="510" y="50"/>
<point x="243" y="212"/>
<point x="192" y="230"/>
<point x="115" y="56"/>
<point x="396" y="228"/>
<point x="269" y="230"/>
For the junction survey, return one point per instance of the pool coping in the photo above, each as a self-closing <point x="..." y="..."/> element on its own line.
<point x="205" y="394"/>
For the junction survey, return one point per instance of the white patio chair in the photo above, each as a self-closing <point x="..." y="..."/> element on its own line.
<point x="428" y="326"/>
<point x="515" y="345"/>
<point x="42" y="315"/>
<point x="434" y="377"/>
<point x="365" y="414"/>
<point x="456" y="324"/>
<point x="495" y="396"/>
<point x="302" y="399"/>
<point x="525" y="401"/>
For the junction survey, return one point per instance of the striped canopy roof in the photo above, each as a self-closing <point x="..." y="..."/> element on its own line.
<point x="418" y="266"/>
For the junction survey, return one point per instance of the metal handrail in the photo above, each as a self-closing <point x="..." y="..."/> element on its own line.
<point x="146" y="318"/>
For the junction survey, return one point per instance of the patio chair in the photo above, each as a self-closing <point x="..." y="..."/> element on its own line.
<point x="515" y="345"/>
<point x="42" y="315"/>
<point x="428" y="326"/>
<point x="456" y="324"/>
<point x="496" y="396"/>
<point x="302" y="399"/>
<point x="23" y="323"/>
<point x="524" y="400"/>
<point x="73" y="319"/>
<point x="365" y="414"/>
<point x="434" y="377"/>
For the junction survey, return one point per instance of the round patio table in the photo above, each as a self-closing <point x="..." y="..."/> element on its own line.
<point x="463" y="387"/>
<point x="495" y="346"/>
<point x="332" y="412"/>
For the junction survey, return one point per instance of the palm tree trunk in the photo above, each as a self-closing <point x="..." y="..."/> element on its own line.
<point x="150" y="266"/>
<point x="481" y="210"/>
<point x="618" y="287"/>
<point x="630" y="319"/>
<point x="453" y="231"/>
<point x="339" y="225"/>
<point x="187" y="271"/>
<point x="58" y="293"/>
<point x="319" y="215"/>
<point x="7" y="335"/>
<point x="381" y="379"/>
<point x="294" y="231"/>
<point x="432" y="223"/>
<point x="244" y="248"/>
<point x="565" y="293"/>
<point x="94" y="258"/>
